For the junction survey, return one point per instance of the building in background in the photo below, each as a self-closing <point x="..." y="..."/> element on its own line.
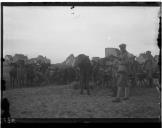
<point x="111" y="51"/>
<point x="17" y="57"/>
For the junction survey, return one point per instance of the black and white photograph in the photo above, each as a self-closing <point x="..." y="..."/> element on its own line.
<point x="81" y="61"/>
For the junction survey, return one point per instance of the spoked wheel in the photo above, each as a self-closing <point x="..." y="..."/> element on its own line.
<point x="141" y="79"/>
<point x="156" y="81"/>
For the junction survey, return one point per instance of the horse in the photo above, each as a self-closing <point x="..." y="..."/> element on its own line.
<point x="83" y="63"/>
<point x="13" y="75"/>
<point x="30" y="73"/>
<point x="21" y="72"/>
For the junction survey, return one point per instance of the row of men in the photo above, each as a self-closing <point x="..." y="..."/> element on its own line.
<point x="123" y="76"/>
<point x="63" y="74"/>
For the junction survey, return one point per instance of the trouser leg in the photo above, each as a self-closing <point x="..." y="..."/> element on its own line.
<point x="119" y="90"/>
<point x="151" y="82"/>
<point x="119" y="85"/>
<point x="88" y="88"/>
<point x="82" y="86"/>
<point x="127" y="92"/>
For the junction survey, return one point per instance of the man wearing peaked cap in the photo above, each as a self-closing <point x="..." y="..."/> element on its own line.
<point x="122" y="81"/>
<point x="149" y="67"/>
<point x="122" y="45"/>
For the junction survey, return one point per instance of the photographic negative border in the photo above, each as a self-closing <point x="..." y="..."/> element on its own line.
<point x="90" y="4"/>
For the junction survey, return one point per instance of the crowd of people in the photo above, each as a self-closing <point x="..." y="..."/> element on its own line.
<point x="115" y="72"/>
<point x="127" y="72"/>
<point x="118" y="72"/>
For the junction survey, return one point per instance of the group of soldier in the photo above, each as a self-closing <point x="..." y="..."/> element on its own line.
<point x="127" y="74"/>
<point x="22" y="74"/>
<point x="121" y="73"/>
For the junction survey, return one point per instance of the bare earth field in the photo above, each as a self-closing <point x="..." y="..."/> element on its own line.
<point x="65" y="102"/>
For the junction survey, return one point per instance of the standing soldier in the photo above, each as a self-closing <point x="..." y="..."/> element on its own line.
<point x="123" y="74"/>
<point x="148" y="67"/>
<point x="132" y="70"/>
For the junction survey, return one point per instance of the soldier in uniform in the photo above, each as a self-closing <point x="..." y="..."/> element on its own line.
<point x="122" y="81"/>
<point x="149" y="67"/>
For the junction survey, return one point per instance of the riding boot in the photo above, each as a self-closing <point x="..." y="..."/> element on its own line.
<point x="88" y="91"/>
<point x="114" y="91"/>
<point x="126" y="97"/>
<point x="82" y="90"/>
<point x="119" y="89"/>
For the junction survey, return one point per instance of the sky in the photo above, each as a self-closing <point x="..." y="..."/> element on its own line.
<point x="58" y="31"/>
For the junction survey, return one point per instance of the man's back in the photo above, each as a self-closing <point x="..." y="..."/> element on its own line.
<point x="149" y="63"/>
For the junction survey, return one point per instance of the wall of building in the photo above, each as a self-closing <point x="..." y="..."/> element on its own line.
<point x="111" y="51"/>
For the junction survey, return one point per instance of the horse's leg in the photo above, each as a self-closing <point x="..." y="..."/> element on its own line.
<point x="22" y="82"/>
<point x="139" y="83"/>
<point x="27" y="81"/>
<point x="136" y="82"/>
<point x="103" y="83"/>
<point x="23" y="85"/>
<point x="86" y="84"/>
<point x="12" y="86"/>
<point x="142" y="83"/>
<point x="88" y="88"/>
<point x="18" y="82"/>
<point x="145" y="82"/>
<point x="82" y="86"/>
<point x="11" y="81"/>
<point x="157" y="85"/>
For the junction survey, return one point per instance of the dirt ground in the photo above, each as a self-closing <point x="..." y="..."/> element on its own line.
<point x="65" y="102"/>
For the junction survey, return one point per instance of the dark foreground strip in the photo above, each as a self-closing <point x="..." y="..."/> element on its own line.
<point x="83" y="123"/>
<point x="88" y="120"/>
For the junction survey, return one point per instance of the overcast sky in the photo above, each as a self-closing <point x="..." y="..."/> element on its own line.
<point x="56" y="32"/>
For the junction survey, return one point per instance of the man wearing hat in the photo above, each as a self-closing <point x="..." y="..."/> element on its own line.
<point x="122" y="81"/>
<point x="148" y="66"/>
